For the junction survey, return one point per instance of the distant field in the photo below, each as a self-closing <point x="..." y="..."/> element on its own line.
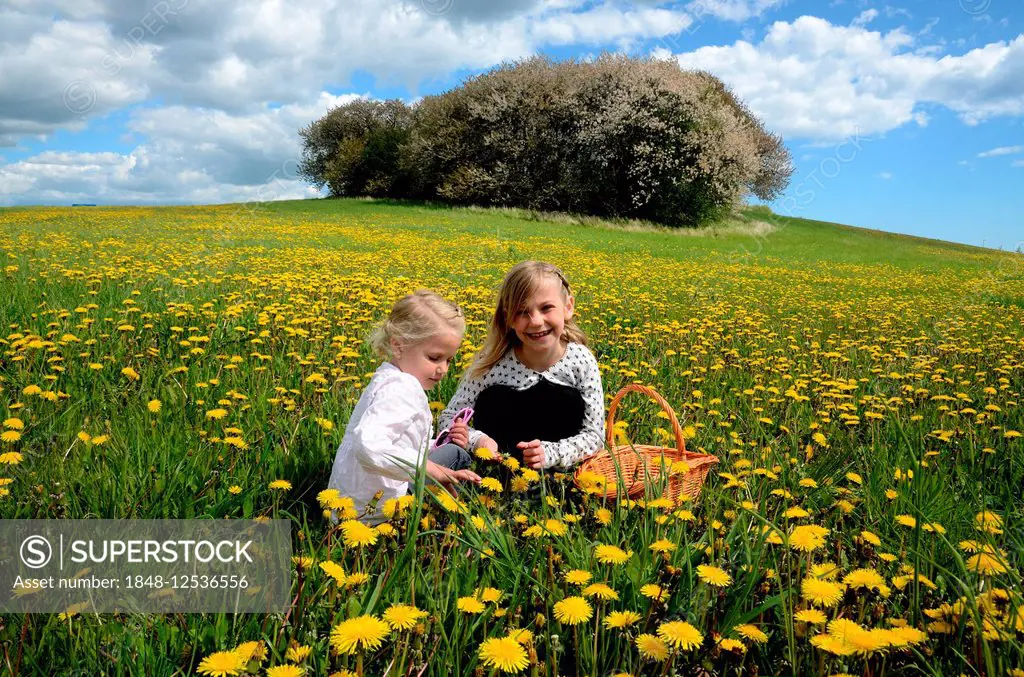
<point x="865" y="383"/>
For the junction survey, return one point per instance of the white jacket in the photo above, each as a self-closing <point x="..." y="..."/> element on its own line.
<point x="385" y="439"/>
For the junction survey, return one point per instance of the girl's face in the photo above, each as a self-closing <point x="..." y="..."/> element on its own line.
<point x="539" y="323"/>
<point x="428" y="360"/>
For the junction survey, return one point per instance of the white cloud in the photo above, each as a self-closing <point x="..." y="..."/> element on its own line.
<point x="865" y="17"/>
<point x="218" y="64"/>
<point x="1017" y="163"/>
<point x="58" y="75"/>
<point x="885" y="175"/>
<point x="814" y="80"/>
<point x="606" y="23"/>
<point x="191" y="155"/>
<point x="102" y="55"/>
<point x="731" y="10"/>
<point x="1002" y="150"/>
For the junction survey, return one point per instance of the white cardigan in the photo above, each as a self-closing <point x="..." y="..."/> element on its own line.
<point x="385" y="439"/>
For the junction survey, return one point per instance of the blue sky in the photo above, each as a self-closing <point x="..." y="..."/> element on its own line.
<point x="907" y="117"/>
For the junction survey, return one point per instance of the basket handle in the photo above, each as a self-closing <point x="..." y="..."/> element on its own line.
<point x="653" y="394"/>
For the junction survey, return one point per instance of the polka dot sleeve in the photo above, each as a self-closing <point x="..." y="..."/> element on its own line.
<point x="580" y="371"/>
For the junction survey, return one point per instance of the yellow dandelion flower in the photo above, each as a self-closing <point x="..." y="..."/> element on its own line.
<point x="403" y="616"/>
<point x="812" y="616"/>
<point x="470" y="605"/>
<point x="10" y="436"/>
<point x="986" y="564"/>
<point x="751" y="632"/>
<point x="601" y="591"/>
<point x="356" y="578"/>
<point x="14" y="424"/>
<point x="715" y="576"/>
<point x="578" y="577"/>
<point x="621" y="619"/>
<point x="504" y="654"/>
<point x="808" y="537"/>
<point x="297" y="654"/>
<point x="280" y="485"/>
<point x="357" y="535"/>
<point x="733" y="645"/>
<point x="611" y="554"/>
<point x="680" y="635"/>
<point x="286" y="671"/>
<point x="821" y="592"/>
<point x="654" y="591"/>
<point x="490" y="595"/>
<point x="363" y="632"/>
<point x="248" y="651"/>
<point x="906" y="520"/>
<point x="573" y="611"/>
<point x="221" y="664"/>
<point x="491" y="484"/>
<point x="651" y="647"/>
<point x="335" y="571"/>
<point x="662" y="545"/>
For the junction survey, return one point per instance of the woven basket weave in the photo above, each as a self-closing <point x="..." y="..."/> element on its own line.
<point x="638" y="468"/>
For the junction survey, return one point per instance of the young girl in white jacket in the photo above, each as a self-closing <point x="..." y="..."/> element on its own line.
<point x="391" y="426"/>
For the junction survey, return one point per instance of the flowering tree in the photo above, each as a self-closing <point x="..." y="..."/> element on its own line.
<point x="617" y="136"/>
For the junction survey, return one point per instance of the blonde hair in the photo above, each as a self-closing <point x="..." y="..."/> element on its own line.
<point x="416" y="318"/>
<point x="520" y="283"/>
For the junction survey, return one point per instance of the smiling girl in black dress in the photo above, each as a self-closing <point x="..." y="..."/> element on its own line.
<point x="535" y="386"/>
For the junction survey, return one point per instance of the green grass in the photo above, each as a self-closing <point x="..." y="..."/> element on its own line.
<point x="889" y="347"/>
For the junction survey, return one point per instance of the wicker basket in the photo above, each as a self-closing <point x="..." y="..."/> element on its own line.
<point x="639" y="467"/>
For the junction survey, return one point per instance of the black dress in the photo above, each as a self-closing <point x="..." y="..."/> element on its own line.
<point x="545" y="411"/>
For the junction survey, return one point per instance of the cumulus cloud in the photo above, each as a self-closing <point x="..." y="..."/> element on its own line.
<point x="810" y="79"/>
<point x="101" y="55"/>
<point x="215" y="66"/>
<point x="191" y="156"/>
<point x="53" y="75"/>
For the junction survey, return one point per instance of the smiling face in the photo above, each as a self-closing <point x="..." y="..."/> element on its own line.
<point x="540" y="321"/>
<point x="427" y="360"/>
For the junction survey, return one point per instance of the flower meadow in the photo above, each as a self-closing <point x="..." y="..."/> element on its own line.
<point x="861" y="391"/>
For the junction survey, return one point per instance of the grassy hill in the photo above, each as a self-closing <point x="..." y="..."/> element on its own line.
<point x="861" y="391"/>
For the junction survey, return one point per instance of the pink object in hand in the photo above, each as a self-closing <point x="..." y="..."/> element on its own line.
<point x="444" y="436"/>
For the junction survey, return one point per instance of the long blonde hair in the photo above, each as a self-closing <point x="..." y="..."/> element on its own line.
<point x="520" y="283"/>
<point x="416" y="318"/>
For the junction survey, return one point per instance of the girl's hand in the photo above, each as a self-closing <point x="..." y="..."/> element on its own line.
<point x="459" y="434"/>
<point x="466" y="476"/>
<point x="448" y="478"/>
<point x="533" y="454"/>
<point x="487" y="442"/>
